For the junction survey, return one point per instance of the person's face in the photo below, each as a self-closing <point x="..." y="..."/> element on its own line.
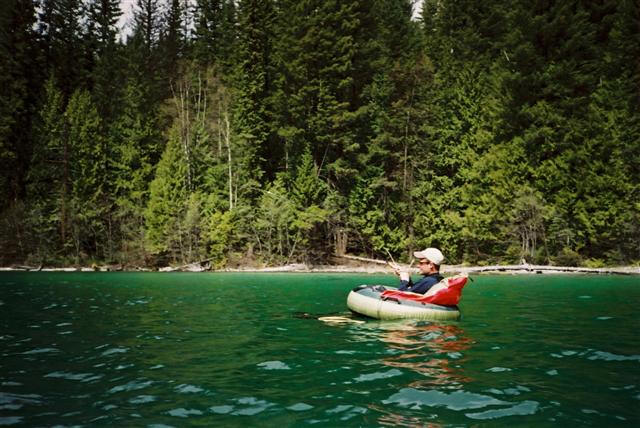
<point x="425" y="266"/>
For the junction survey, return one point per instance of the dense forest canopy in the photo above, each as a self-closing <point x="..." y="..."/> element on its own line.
<point x="274" y="131"/>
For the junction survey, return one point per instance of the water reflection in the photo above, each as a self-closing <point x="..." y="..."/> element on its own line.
<point x="388" y="418"/>
<point x="434" y="351"/>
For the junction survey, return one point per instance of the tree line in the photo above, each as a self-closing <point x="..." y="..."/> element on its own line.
<point x="275" y="131"/>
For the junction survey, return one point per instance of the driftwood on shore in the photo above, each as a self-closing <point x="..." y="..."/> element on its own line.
<point x="200" y="266"/>
<point x="523" y="268"/>
<point x="541" y="269"/>
<point x="348" y="263"/>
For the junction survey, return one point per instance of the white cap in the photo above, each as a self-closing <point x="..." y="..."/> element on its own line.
<point x="432" y="254"/>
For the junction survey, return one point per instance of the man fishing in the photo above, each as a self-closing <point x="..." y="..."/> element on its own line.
<point x="429" y="263"/>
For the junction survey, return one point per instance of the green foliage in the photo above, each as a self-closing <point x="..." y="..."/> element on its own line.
<point x="215" y="32"/>
<point x="45" y="181"/>
<point x="168" y="197"/>
<point x="219" y="227"/>
<point x="21" y="81"/>
<point x="567" y="257"/>
<point x="87" y="174"/>
<point x="273" y="224"/>
<point x="281" y="131"/>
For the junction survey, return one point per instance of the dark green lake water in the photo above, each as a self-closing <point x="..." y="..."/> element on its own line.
<point x="233" y="350"/>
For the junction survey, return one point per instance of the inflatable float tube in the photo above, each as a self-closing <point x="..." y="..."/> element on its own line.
<point x="387" y="303"/>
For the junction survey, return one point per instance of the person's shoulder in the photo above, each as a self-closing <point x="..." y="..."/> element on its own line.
<point x="436" y="277"/>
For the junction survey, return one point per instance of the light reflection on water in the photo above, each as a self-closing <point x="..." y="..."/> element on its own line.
<point x="228" y="350"/>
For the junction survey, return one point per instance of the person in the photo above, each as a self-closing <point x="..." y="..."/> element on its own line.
<point x="429" y="263"/>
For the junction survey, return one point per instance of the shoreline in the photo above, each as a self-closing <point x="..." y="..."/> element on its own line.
<point x="524" y="269"/>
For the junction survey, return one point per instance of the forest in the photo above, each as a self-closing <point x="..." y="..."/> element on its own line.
<point x="266" y="132"/>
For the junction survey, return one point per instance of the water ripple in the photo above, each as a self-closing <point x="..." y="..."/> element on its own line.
<point x="347" y="411"/>
<point x="221" y="410"/>
<point x="520" y="409"/>
<point x="593" y="355"/>
<point x="114" y="351"/>
<point x="498" y="369"/>
<point x="457" y="400"/>
<point x="10" y="420"/>
<point x="300" y="407"/>
<point x="253" y="406"/>
<point x="274" y="365"/>
<point x="83" y="377"/>
<point x="130" y="386"/>
<point x="188" y="389"/>
<point x="378" y="375"/>
<point x="608" y="356"/>
<point x="184" y="413"/>
<point x="142" y="399"/>
<point x="41" y="351"/>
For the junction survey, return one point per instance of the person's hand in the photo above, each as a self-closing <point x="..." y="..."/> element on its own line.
<point x="397" y="270"/>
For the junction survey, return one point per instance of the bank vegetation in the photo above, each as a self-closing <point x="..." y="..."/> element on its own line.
<point x="274" y="132"/>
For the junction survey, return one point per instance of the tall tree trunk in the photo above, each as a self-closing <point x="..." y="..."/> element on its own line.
<point x="227" y="138"/>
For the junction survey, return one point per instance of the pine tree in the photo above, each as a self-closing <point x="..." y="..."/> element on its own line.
<point x="47" y="195"/>
<point x="173" y="43"/>
<point x="61" y="32"/>
<point x="88" y="204"/>
<point x="560" y="60"/>
<point x="21" y="83"/>
<point x="315" y="99"/>
<point x="168" y="196"/>
<point x="138" y="144"/>
<point x="215" y="33"/>
<point x="254" y="80"/>
<point x="396" y="101"/>
<point x="107" y="73"/>
<point x="144" y="53"/>
<point x="461" y="125"/>
<point x="308" y="194"/>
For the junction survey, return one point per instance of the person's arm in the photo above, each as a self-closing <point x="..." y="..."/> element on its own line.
<point x="405" y="285"/>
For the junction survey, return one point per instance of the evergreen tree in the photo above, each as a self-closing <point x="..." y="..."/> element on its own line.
<point x="381" y="205"/>
<point x="559" y="61"/>
<point x="315" y="92"/>
<point x="169" y="193"/>
<point x="215" y="32"/>
<point x="107" y="74"/>
<point x="462" y="123"/>
<point x="61" y="32"/>
<point x="308" y="193"/>
<point x="21" y="82"/>
<point x="274" y="236"/>
<point x="138" y="145"/>
<point x="173" y="42"/>
<point x="500" y="131"/>
<point x="47" y="194"/>
<point x="88" y="204"/>
<point x="144" y="53"/>
<point x="254" y="79"/>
